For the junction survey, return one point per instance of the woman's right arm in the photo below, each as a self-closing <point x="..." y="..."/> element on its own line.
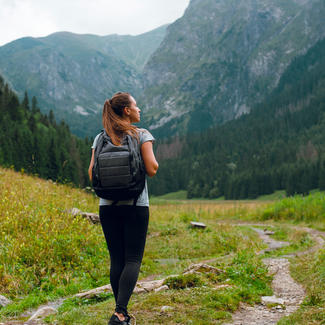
<point x="149" y="159"/>
<point x="91" y="164"/>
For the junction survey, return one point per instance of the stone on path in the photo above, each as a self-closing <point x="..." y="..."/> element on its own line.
<point x="4" y="301"/>
<point x="150" y="285"/>
<point x="195" y="268"/>
<point x="162" y="288"/>
<point x="94" y="292"/>
<point x="41" y="313"/>
<point x="272" y="300"/>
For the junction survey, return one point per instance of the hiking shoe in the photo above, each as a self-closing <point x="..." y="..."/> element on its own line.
<point x="116" y="321"/>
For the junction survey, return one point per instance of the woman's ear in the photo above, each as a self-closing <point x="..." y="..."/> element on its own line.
<point x="126" y="111"/>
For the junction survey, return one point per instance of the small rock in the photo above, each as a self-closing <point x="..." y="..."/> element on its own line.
<point x="166" y="308"/>
<point x="198" y="224"/>
<point x="201" y="267"/>
<point x="41" y="313"/>
<point x="222" y="286"/>
<point x="74" y="211"/>
<point x="268" y="232"/>
<point x="150" y="285"/>
<point x="272" y="300"/>
<point x="93" y="217"/>
<point x="162" y="288"/>
<point x="4" y="301"/>
<point x="92" y="293"/>
<point x="139" y="290"/>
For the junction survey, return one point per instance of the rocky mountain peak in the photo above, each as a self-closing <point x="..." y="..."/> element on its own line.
<point x="223" y="56"/>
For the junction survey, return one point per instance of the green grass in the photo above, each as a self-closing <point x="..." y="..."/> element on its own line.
<point x="47" y="254"/>
<point x="309" y="210"/>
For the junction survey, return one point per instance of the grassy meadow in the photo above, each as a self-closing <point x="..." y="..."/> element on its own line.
<point x="46" y="254"/>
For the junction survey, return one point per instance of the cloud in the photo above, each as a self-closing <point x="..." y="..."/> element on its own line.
<point x="19" y="18"/>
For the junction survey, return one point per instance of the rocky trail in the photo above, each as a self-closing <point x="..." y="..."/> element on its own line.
<point x="288" y="294"/>
<point x="287" y="297"/>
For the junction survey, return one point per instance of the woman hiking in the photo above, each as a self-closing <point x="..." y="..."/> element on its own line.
<point x="125" y="224"/>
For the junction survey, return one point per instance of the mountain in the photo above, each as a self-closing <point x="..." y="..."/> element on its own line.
<point x="135" y="50"/>
<point x="222" y="57"/>
<point x="73" y="74"/>
<point x="280" y="145"/>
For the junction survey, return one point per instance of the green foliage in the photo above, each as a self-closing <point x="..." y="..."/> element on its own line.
<point x="309" y="209"/>
<point x="249" y="272"/>
<point x="37" y="144"/>
<point x="184" y="281"/>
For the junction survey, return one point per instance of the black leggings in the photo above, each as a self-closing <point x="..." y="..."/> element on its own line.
<point x="125" y="229"/>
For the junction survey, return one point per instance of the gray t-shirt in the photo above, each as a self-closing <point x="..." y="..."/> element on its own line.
<point x="143" y="200"/>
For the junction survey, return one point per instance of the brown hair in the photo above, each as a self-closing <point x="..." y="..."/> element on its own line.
<point x="114" y="123"/>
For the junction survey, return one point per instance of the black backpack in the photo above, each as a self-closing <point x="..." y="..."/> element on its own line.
<point x="118" y="172"/>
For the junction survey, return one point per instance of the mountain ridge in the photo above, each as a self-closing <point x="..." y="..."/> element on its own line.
<point x="73" y="74"/>
<point x="222" y="57"/>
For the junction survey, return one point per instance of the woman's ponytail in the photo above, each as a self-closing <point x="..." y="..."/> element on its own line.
<point x="113" y="121"/>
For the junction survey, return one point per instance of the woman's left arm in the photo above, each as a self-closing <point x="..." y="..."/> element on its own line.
<point x="91" y="164"/>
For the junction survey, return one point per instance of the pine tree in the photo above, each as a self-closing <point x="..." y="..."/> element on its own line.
<point x="25" y="102"/>
<point x="52" y="118"/>
<point x="35" y="109"/>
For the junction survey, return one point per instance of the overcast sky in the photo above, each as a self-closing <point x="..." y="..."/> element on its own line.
<point x="19" y="18"/>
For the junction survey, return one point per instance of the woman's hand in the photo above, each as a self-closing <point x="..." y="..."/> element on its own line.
<point x="149" y="159"/>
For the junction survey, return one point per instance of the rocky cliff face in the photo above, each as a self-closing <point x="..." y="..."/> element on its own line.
<point x="222" y="57"/>
<point x="74" y="74"/>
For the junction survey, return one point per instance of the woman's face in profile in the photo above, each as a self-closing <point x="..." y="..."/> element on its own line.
<point x="134" y="111"/>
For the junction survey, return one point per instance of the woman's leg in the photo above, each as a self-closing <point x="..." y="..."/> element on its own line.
<point x="113" y="229"/>
<point x="135" y="232"/>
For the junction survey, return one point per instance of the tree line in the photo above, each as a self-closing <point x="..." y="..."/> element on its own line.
<point x="279" y="145"/>
<point x="35" y="143"/>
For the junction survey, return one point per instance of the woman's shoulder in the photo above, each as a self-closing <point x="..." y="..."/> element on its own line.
<point x="142" y="130"/>
<point x="95" y="140"/>
<point x="145" y="135"/>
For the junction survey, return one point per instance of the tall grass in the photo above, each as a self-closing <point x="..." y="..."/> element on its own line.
<point x="43" y="247"/>
<point x="308" y="209"/>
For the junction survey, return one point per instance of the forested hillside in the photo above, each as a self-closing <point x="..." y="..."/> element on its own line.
<point x="280" y="145"/>
<point x="33" y="142"/>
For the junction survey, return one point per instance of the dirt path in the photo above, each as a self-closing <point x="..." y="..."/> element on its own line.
<point x="288" y="294"/>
